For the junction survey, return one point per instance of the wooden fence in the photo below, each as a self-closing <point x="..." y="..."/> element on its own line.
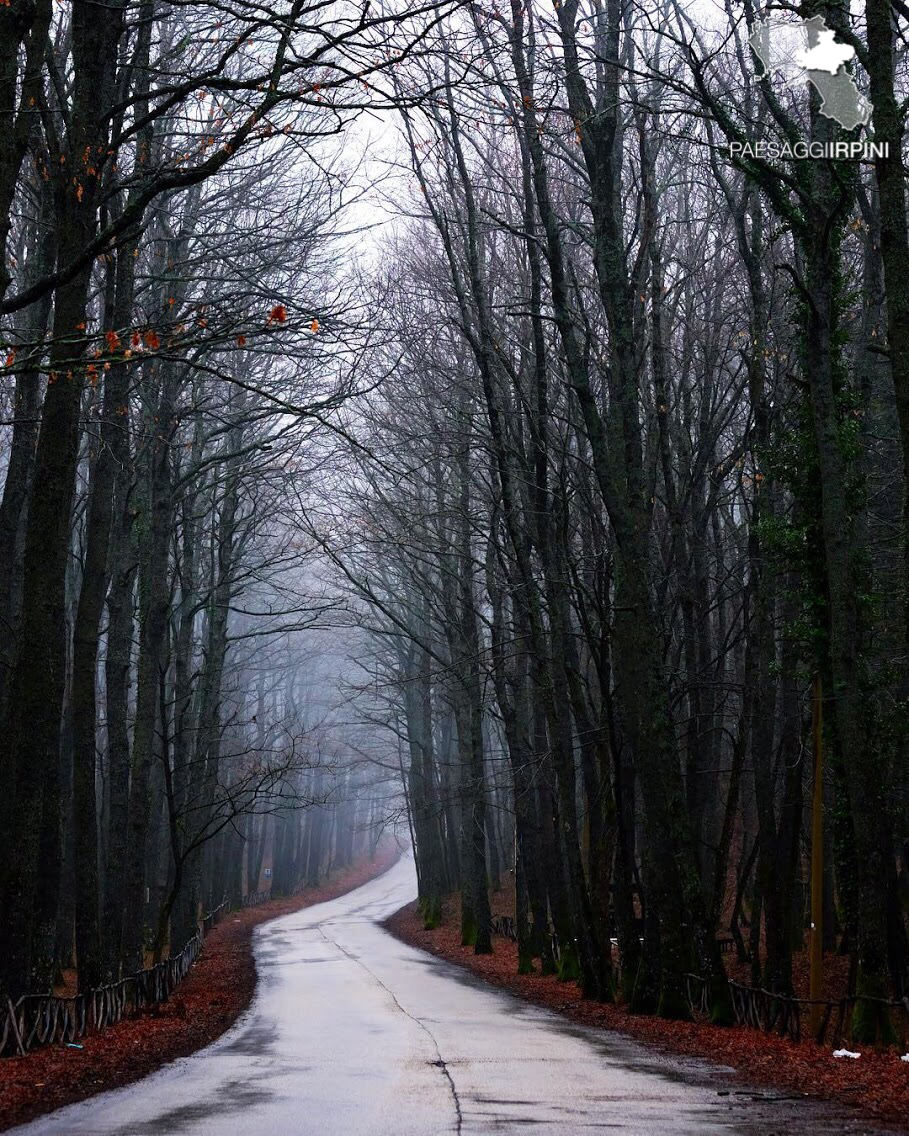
<point x="256" y="897"/>
<point x="504" y="925"/>
<point x="42" y="1019"/>
<point x="789" y="1016"/>
<point x="761" y="1009"/>
<point x="209" y="920"/>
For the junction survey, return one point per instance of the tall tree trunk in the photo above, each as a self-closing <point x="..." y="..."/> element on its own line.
<point x="155" y="600"/>
<point x="95" y="577"/>
<point x="26" y="414"/>
<point x="30" y="754"/>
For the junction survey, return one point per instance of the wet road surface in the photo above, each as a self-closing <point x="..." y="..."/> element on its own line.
<point x="351" y="1033"/>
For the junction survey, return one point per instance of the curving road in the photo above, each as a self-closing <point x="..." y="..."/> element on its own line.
<point x="352" y="1033"/>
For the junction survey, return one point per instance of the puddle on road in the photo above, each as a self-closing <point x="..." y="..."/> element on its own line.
<point x="254" y="1040"/>
<point x="232" y="1098"/>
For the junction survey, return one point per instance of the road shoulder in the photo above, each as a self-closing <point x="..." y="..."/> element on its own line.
<point x="875" y="1087"/>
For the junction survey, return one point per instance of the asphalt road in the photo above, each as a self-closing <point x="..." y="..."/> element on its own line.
<point x="352" y="1033"/>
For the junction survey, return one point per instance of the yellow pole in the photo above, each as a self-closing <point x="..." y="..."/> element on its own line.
<point x="816" y="982"/>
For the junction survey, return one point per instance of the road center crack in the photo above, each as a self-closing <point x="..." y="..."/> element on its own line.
<point x="440" y="1062"/>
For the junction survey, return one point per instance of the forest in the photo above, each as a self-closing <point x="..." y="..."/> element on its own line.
<point x="446" y="417"/>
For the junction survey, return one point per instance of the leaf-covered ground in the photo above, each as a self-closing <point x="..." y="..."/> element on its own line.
<point x="217" y="989"/>
<point x="876" y="1085"/>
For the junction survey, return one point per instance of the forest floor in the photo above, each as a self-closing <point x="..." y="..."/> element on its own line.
<point x="216" y="991"/>
<point x="876" y="1085"/>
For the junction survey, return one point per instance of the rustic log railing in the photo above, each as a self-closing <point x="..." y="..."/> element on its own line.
<point x="762" y="1009"/>
<point x="256" y="897"/>
<point x="504" y="925"/>
<point x="43" y="1019"/>
<point x="209" y="920"/>
<point x="788" y="1016"/>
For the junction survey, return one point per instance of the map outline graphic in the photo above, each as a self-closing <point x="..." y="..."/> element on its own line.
<point x="800" y="50"/>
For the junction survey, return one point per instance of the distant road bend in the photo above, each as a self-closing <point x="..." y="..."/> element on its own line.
<point x="351" y="1033"/>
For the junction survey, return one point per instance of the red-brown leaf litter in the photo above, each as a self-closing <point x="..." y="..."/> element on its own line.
<point x="876" y="1085"/>
<point x="215" y="992"/>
